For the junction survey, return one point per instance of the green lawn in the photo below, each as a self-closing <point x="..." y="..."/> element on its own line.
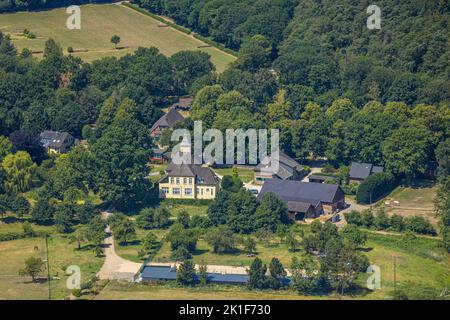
<point x="61" y="255"/>
<point x="246" y="175"/>
<point x="98" y="24"/>
<point x="422" y="266"/>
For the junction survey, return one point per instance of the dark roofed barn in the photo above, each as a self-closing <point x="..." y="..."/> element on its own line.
<point x="360" y="171"/>
<point x="288" y="169"/>
<point x="324" y="198"/>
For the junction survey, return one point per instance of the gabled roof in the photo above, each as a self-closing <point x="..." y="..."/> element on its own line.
<point x="168" y="120"/>
<point x="179" y="170"/>
<point x="53" y="139"/>
<point x="203" y="175"/>
<point x="183" y="102"/>
<point x="297" y="191"/>
<point x="360" y="170"/>
<point x="298" y="206"/>
<point x="286" y="167"/>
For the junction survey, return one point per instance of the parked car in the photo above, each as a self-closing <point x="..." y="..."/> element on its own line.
<point x="254" y="191"/>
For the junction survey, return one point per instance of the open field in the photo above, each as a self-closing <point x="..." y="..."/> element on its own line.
<point x="98" y="24"/>
<point x="117" y="291"/>
<point x="413" y="201"/>
<point x="62" y="254"/>
<point x="423" y="268"/>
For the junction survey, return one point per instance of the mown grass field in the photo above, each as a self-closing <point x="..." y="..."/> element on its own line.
<point x="98" y="24"/>
<point x="62" y="254"/>
<point x="413" y="200"/>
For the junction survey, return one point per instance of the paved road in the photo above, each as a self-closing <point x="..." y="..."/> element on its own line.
<point x="115" y="267"/>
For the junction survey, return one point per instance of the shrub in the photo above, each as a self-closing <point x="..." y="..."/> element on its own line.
<point x="367" y="218"/>
<point x="11" y="236"/>
<point x="28" y="230"/>
<point x="350" y="189"/>
<point x="381" y="220"/>
<point x="397" y="223"/>
<point x="76" y="293"/>
<point x="419" y="225"/>
<point x="353" y="217"/>
<point x="70" y="50"/>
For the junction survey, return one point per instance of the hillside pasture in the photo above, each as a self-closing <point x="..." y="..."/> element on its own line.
<point x="98" y="24"/>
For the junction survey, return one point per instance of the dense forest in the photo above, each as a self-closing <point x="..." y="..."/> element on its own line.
<point x="22" y="5"/>
<point x="323" y="49"/>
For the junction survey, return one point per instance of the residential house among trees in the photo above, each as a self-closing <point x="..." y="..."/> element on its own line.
<point x="182" y="104"/>
<point x="189" y="181"/>
<point x="56" y="142"/>
<point x="160" y="155"/>
<point x="166" y="121"/>
<point x="289" y="169"/>
<point x="360" y="171"/>
<point x="306" y="199"/>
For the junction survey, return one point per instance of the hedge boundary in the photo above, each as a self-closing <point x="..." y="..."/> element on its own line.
<point x="182" y="29"/>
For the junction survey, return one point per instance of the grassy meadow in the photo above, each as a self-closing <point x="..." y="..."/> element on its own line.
<point x="62" y="254"/>
<point x="98" y="24"/>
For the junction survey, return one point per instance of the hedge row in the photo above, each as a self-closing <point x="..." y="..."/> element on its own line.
<point x="156" y="17"/>
<point x="215" y="44"/>
<point x="181" y="28"/>
<point x="374" y="187"/>
<point x="12" y="236"/>
<point x="189" y="202"/>
<point x="397" y="223"/>
<point x="30" y="5"/>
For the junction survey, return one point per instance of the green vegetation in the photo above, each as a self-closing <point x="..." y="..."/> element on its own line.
<point x="333" y="97"/>
<point x="62" y="253"/>
<point x="322" y="57"/>
<point x="246" y="175"/>
<point x="89" y="44"/>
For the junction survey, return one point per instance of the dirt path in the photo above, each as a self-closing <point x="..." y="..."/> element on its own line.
<point x="115" y="267"/>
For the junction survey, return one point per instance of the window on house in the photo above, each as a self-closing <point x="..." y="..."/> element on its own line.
<point x="165" y="190"/>
<point x="176" y="191"/>
<point x="188" y="191"/>
<point x="185" y="180"/>
<point x="177" y="180"/>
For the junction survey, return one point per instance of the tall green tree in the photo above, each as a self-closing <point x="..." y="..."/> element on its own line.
<point x="120" y="157"/>
<point x="20" y="172"/>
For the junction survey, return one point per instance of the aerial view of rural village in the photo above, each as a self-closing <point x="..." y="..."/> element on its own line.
<point x="224" y="150"/>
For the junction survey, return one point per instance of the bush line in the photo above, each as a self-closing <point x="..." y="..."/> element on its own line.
<point x="182" y="29"/>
